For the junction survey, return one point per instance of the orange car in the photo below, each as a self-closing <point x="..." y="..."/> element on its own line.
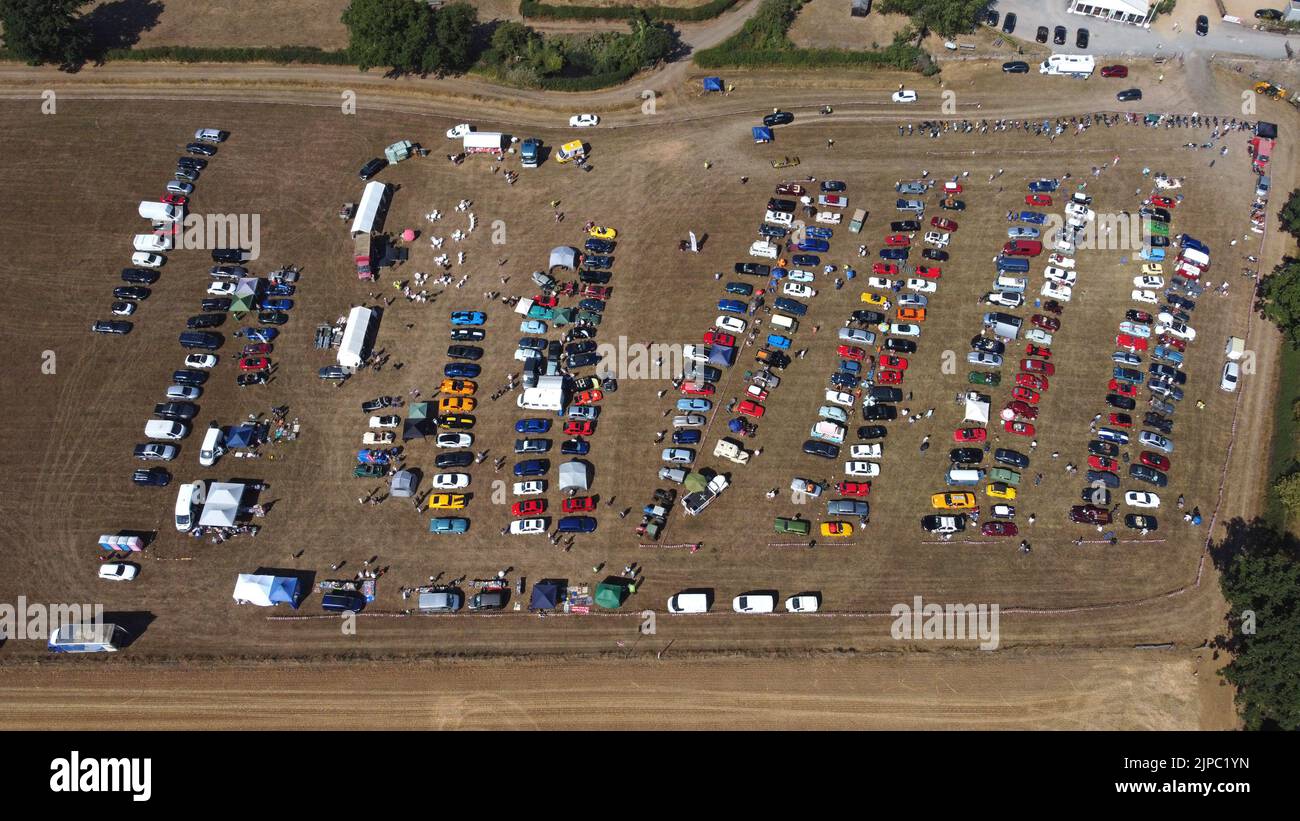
<point x="458" y="387"/>
<point x="457" y="404"/>
<point x="911" y="314"/>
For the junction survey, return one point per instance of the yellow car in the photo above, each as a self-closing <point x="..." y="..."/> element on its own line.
<point x="875" y="300"/>
<point x="837" y="529"/>
<point x="952" y="501"/>
<point x="455" y="404"/>
<point x="600" y="232"/>
<point x="446" y="501"/>
<point x="1001" y="490"/>
<point x="1153" y="269"/>
<point x="458" y="387"/>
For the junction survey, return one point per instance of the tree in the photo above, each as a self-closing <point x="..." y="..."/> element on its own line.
<point x="947" y="17"/>
<point x="46" y="31"/>
<point x="1279" y="299"/>
<point x="1287" y="489"/>
<point x="1290" y="214"/>
<point x="454" y="35"/>
<point x="409" y="36"/>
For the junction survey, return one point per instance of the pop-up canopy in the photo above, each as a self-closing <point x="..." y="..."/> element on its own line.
<point x="266" y="591"/>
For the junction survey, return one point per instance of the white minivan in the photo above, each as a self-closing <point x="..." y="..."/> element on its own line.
<point x="189" y="498"/>
<point x="213" y="447"/>
<point x="152" y="242"/>
<point x="165" y="429"/>
<point x="689" y="601"/>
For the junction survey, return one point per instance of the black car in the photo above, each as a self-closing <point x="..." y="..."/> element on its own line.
<point x="783" y="206"/>
<point x="1266" y="14"/>
<point x="990" y="17"/>
<point x="1159" y="241"/>
<point x="598" y="261"/>
<point x="585" y="360"/>
<point x="1058" y="35"/>
<point x="885" y="393"/>
<point x="228" y="271"/>
<point x="465" y="352"/>
<point x="1121" y="402"/>
<point x="1081" y="39"/>
<point x="111" y="326"/>
<point x="866" y="317"/>
<point x="372" y="168"/>
<point x="598" y="246"/>
<point x="1140" y="521"/>
<point x="900" y="345"/>
<point x="272" y="318"/>
<point x="1042" y="34"/>
<point x="247" y="380"/>
<point x="753" y="269"/>
<point x="205" y="321"/>
<point x="191" y="162"/>
<point x="201" y="149"/>
<point x="826" y="450"/>
<point x="1147" y="474"/>
<point x="131" y="292"/>
<point x="594" y="277"/>
<point x="952" y="205"/>
<point x="935" y="254"/>
<point x="1011" y="457"/>
<point x="1009" y="23"/>
<point x="333" y="372"/>
<point x="1099" y="448"/>
<point x="215" y="304"/>
<point x="833" y="186"/>
<point x="467" y="334"/>
<point x="987" y="345"/>
<point x="201" y="340"/>
<point x="189" y="377"/>
<point x="176" y="410"/>
<point x="879" y="413"/>
<point x="1202" y="25"/>
<point x="847" y="381"/>
<point x="873" y="432"/>
<point x="905" y="225"/>
<point x="343" y="601"/>
<point x="772" y="231"/>
<point x="1155" y="213"/>
<point x="934" y="522"/>
<point x="966" y="456"/>
<point x="1019" y="66"/>
<point x="1160" y="423"/>
<point x="778" y="118"/>
<point x="1099" y="496"/>
<point x="153" y="477"/>
<point x="142" y="276"/>
<point x="230" y="254"/>
<point x="1129" y="95"/>
<point x="1161" y="371"/>
<point x="1176" y="301"/>
<point x="1102" y="477"/>
<point x="585" y="346"/>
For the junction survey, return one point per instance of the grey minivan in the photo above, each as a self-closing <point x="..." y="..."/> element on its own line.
<point x="489" y="600"/>
<point x="440" y="601"/>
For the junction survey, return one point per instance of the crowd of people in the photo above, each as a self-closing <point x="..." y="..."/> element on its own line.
<point x="1076" y="124"/>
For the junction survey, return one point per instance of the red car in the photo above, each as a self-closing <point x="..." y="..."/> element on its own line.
<point x="1164" y="202"/>
<point x="697" y="389"/>
<point x="1047" y="323"/>
<point x="969" y="435"/>
<point x="1121" y="420"/>
<point x="851" y="352"/>
<point x="1023" y="248"/>
<point x="1171" y="342"/>
<point x="1022" y="409"/>
<point x="1154" y="460"/>
<point x="952" y="187"/>
<point x="1036" y="350"/>
<point x="1018" y="428"/>
<point x="1037" y="366"/>
<point x="579" y="427"/>
<point x="1103" y="463"/>
<point x="884" y="269"/>
<point x="719" y="338"/>
<point x="1038" y="199"/>
<point x="943" y="224"/>
<point x="853" y="488"/>
<point x="578" y="504"/>
<point x="256" y="348"/>
<point x="1123" y="388"/>
<point x="528" y="507"/>
<point x="929" y="271"/>
<point x="1114" y="71"/>
<point x="898" y="363"/>
<point x="751" y="408"/>
<point x="548" y="301"/>
<point x="889" y="377"/>
<point x="588" y="397"/>
<point x="1026" y="395"/>
<point x="898" y="240"/>
<point x="1032" y="380"/>
<point x="254" y="363"/>
<point x="999" y="529"/>
<point x="1130" y="343"/>
<point x="174" y="199"/>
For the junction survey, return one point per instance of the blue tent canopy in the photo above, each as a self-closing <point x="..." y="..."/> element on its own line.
<point x="241" y="436"/>
<point x="546" y="595"/>
<point x="285" y="589"/>
<point x="722" y="355"/>
<point x="713" y="84"/>
<point x="762" y="134"/>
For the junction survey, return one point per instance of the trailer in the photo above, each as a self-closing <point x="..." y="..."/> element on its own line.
<point x="398" y="151"/>
<point x="356" y="337"/>
<point x="370" y="212"/>
<point x="362" y="246"/>
<point x="485" y="142"/>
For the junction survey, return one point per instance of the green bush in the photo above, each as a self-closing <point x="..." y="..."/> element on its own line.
<point x="193" y="54"/>
<point x="707" y="11"/>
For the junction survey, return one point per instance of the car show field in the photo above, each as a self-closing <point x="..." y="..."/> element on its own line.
<point x="76" y="403"/>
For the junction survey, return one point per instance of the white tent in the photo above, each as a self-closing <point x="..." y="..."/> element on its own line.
<point x="575" y="475"/>
<point x="563" y="256"/>
<point x="977" y="408"/>
<point x="266" y="591"/>
<point x="352" y="350"/>
<point x="372" y="201"/>
<point x="222" y="505"/>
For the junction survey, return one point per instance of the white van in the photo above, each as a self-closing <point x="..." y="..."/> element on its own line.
<point x="781" y="218"/>
<point x="165" y="429"/>
<point x="689" y="602"/>
<point x="210" y="135"/>
<point x="1054" y="290"/>
<point x="1235" y="349"/>
<point x="764" y="249"/>
<point x="189" y="498"/>
<point x="964" y="476"/>
<point x="785" y="323"/>
<point x="1006" y="282"/>
<point x="828" y="431"/>
<point x="152" y="242"/>
<point x="213" y="447"/>
<point x="1200" y="259"/>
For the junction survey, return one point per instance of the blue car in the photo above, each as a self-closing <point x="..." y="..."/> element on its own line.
<point x="599" y="246"/>
<point x="594" y="305"/>
<point x="532" y="426"/>
<point x="818" y="232"/>
<point x="448" y="524"/>
<point x="278" y="304"/>
<point x="1044" y="185"/>
<point x="461" y="370"/>
<point x="791" y="306"/>
<point x="532" y="467"/>
<point x="819" y="245"/>
<point x="259" y="334"/>
<point x="686" y="437"/>
<point x="694" y="405"/>
<point x="1033" y="217"/>
<point x="467" y="317"/>
<point x="849" y="366"/>
<point x="778" y="341"/>
<point x="598" y="262"/>
<point x="576" y="524"/>
<point x="532" y="343"/>
<point x="734" y="306"/>
<point x="575" y="447"/>
<point x="806" y="259"/>
<point x="893" y="253"/>
<point x="282" y="289"/>
<point x="1189" y="241"/>
<point x="532" y="326"/>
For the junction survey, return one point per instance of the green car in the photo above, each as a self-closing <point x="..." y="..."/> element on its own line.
<point x="979" y="378"/>
<point x="368" y="471"/>
<point x="1160" y="229"/>
<point x="799" y="527"/>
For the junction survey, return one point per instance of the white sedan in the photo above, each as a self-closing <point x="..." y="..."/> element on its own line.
<point x="457" y="132"/>
<point x="1138" y="498"/>
<point x="869" y="450"/>
<point x="799" y="276"/>
<point x="201" y="360"/>
<point x="754" y="603"/>
<point x="1148" y="282"/>
<point x="530" y="488"/>
<point x="905" y="329"/>
<point x="904" y="95"/>
<point x="583" y="121"/>
<point x="118" y="571"/>
<point x="1039" y="337"/>
<point x="867" y="469"/>
<point x="1231" y="375"/>
<point x="803" y="603"/>
<point x="840" y="398"/>
<point x="390" y="421"/>
<point x="451" y="481"/>
<point x="525" y="527"/>
<point x="730" y="324"/>
<point x="798" y="289"/>
<point x="880" y="283"/>
<point x="371" y="437"/>
<point x="1179" y="329"/>
<point x="1143" y="296"/>
<point x="1060" y="275"/>
<point x="144" y="259"/>
<point x="454" y="440"/>
<point x="221" y="289"/>
<point x="922" y="286"/>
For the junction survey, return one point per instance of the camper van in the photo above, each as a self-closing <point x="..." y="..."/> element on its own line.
<point x="1069" y="65"/>
<point x="1003" y="325"/>
<point x="1235" y="349"/>
<point x="189" y="501"/>
<point x="964" y="477"/>
<point x="764" y="249"/>
<point x="785" y="323"/>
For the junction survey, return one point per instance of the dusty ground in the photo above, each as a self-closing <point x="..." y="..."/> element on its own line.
<point x="828" y="24"/>
<point x="650" y="185"/>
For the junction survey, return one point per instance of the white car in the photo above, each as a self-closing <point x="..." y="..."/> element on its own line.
<point x="373" y="437"/>
<point x="1060" y="275"/>
<point x="754" y="603"/>
<point x="880" y="283"/>
<point x="1179" y="329"/>
<point x="1039" y="337"/>
<point x="923" y="286"/>
<point x="1145" y="297"/>
<point x="803" y="603"/>
<point x="390" y="421"/>
<point x="840" y="398"/>
<point x="799" y="276"/>
<point x="1138" y="498"/>
<point x="524" y="527"/>
<point x="583" y="121"/>
<point x="1007" y="299"/>
<point x="457" y="132"/>
<point x="530" y="488"/>
<point x="454" y="440"/>
<point x="1060" y="261"/>
<point x="1149" y="282"/>
<point x="221" y="289"/>
<point x="730" y="324"/>
<point x="201" y="360"/>
<point x="1061" y="293"/>
<point x="1135" y="329"/>
<point x="904" y="95"/>
<point x="984" y="359"/>
<point x="695" y="353"/>
<point x="867" y="469"/>
<point x="938" y="239"/>
<point x="1231" y="374"/>
<point x="450" y="481"/>
<point x="798" y="289"/>
<point x="152" y="242"/>
<point x="870" y="450"/>
<point x="904" y="329"/>
<point x="912" y="301"/>
<point x="118" y="571"/>
<point x="178" y="187"/>
<point x="144" y="259"/>
<point x="857" y="335"/>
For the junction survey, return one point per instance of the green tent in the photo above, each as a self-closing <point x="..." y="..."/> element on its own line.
<point x="611" y="593"/>
<point x="419" y="410"/>
<point x="242" y="304"/>
<point x="695" y="482"/>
